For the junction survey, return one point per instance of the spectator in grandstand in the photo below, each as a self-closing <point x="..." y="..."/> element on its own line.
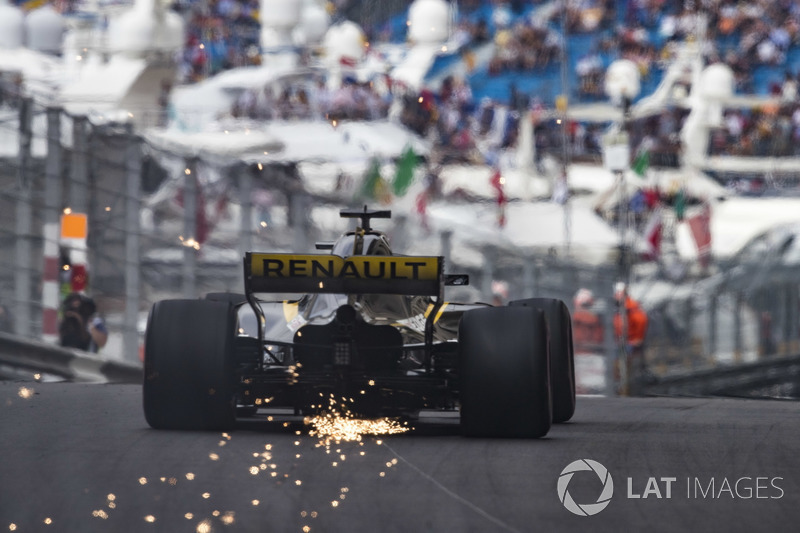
<point x="343" y="102"/>
<point x="417" y="112"/>
<point x="198" y="61"/>
<point x="245" y="105"/>
<point x="590" y="71"/>
<point x="368" y="105"/>
<point x="789" y="88"/>
<point x="321" y="99"/>
<point x="301" y="105"/>
<point x="480" y="32"/>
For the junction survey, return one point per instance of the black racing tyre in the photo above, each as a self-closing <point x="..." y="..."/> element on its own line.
<point x="504" y="373"/>
<point x="188" y="365"/>
<point x="562" y="354"/>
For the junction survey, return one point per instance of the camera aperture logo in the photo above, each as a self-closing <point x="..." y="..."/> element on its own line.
<point x="586" y="509"/>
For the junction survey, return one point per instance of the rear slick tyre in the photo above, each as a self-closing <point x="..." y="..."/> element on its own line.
<point x="504" y="373"/>
<point x="188" y="365"/>
<point x="562" y="354"/>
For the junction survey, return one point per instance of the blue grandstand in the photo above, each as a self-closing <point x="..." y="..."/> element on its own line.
<point x="628" y="30"/>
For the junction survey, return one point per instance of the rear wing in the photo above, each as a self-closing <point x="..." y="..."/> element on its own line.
<point x="358" y="274"/>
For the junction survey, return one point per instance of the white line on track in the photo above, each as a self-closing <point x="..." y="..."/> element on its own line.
<point x="452" y="494"/>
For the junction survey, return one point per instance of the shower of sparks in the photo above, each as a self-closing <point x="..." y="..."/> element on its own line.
<point x="25" y="393"/>
<point x="339" y="424"/>
<point x="330" y="427"/>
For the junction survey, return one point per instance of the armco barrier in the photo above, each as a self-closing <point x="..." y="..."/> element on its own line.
<point x="728" y="380"/>
<point x="70" y="364"/>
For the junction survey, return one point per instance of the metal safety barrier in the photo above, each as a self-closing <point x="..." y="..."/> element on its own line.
<point x="70" y="364"/>
<point x="728" y="380"/>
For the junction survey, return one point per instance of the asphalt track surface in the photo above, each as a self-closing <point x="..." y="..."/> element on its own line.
<point x="80" y="458"/>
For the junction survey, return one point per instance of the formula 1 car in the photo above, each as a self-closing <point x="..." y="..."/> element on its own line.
<point x="370" y="327"/>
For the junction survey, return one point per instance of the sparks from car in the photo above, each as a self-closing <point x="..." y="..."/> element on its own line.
<point x="337" y="424"/>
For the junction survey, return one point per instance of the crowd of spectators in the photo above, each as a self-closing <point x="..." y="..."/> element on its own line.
<point x="220" y="34"/>
<point x="312" y="99"/>
<point x="527" y="35"/>
<point x="773" y="130"/>
<point x="524" y="47"/>
<point x="224" y="33"/>
<point x="464" y="130"/>
<point x="461" y="129"/>
<point x="740" y="34"/>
